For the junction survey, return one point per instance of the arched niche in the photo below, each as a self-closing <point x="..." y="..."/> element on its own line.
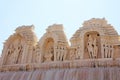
<point x="14" y="50"/>
<point x="92" y="45"/>
<point x="48" y="50"/>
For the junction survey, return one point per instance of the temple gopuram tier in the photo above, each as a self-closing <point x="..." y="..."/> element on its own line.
<point x="94" y="53"/>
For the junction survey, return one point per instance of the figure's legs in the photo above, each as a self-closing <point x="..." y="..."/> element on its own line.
<point x="108" y="56"/>
<point x="95" y="54"/>
<point x="57" y="55"/>
<point x="90" y="54"/>
<point x="111" y="53"/>
<point x="64" y="56"/>
<point x="61" y="56"/>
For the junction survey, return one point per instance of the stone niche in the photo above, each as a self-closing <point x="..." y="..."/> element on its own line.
<point x="53" y="45"/>
<point x="92" y="45"/>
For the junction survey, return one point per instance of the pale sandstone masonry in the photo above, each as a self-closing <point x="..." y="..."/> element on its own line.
<point x="95" y="47"/>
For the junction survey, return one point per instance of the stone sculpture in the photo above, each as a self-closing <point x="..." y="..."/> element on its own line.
<point x="95" y="47"/>
<point x="53" y="46"/>
<point x="95" y="44"/>
<point x="90" y="47"/>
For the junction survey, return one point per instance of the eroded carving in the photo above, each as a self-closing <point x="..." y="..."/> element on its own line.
<point x="108" y="51"/>
<point x="93" y="41"/>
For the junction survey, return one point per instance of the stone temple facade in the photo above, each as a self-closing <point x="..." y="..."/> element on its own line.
<point x="94" y="53"/>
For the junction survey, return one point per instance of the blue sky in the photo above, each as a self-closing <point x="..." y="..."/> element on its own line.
<point x="42" y="13"/>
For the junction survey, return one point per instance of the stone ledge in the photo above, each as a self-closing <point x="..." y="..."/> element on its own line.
<point x="93" y="63"/>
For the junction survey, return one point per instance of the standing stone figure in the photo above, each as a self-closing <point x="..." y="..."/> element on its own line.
<point x="72" y="54"/>
<point x="78" y="50"/>
<point x="103" y="51"/>
<point x="65" y="53"/>
<point x="106" y="51"/>
<point x="49" y="55"/>
<point x="10" y="54"/>
<point x="95" y="48"/>
<point x="89" y="46"/>
<point x="62" y="53"/>
<point x="110" y="53"/>
<point x="58" y="53"/>
<point x="38" y="59"/>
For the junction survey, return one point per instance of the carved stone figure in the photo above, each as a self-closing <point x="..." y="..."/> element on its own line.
<point x="19" y="53"/>
<point x="78" y="51"/>
<point x="49" y="54"/>
<point x="111" y="51"/>
<point x="57" y="53"/>
<point x="73" y="54"/>
<point x="38" y="54"/>
<point x="90" y="47"/>
<point x="103" y="51"/>
<point x="10" y="54"/>
<point x="106" y="51"/>
<point x="61" y="53"/>
<point x="64" y="53"/>
<point x="48" y="57"/>
<point x="90" y="41"/>
<point x="95" y="47"/>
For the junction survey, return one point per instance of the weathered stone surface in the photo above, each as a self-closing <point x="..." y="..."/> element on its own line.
<point x="64" y="74"/>
<point x="94" y="53"/>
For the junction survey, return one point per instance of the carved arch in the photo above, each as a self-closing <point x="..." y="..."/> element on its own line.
<point x="83" y="42"/>
<point x="13" y="50"/>
<point x="46" y="41"/>
<point x="92" y="45"/>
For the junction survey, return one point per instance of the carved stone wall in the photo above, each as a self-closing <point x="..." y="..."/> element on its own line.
<point x="96" y="39"/>
<point x="92" y="42"/>
<point x="94" y="53"/>
<point x="18" y="47"/>
<point x="53" y="45"/>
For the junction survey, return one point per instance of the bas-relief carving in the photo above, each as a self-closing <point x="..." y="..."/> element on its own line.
<point x="108" y="51"/>
<point x="11" y="52"/>
<point x="38" y="54"/>
<point x="14" y="52"/>
<point x="48" y="54"/>
<point x="60" y="52"/>
<point x="16" y="48"/>
<point x="10" y="55"/>
<point x="78" y="51"/>
<point x="53" y="46"/>
<point x="72" y="54"/>
<point x="92" y="45"/>
<point x="19" y="51"/>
